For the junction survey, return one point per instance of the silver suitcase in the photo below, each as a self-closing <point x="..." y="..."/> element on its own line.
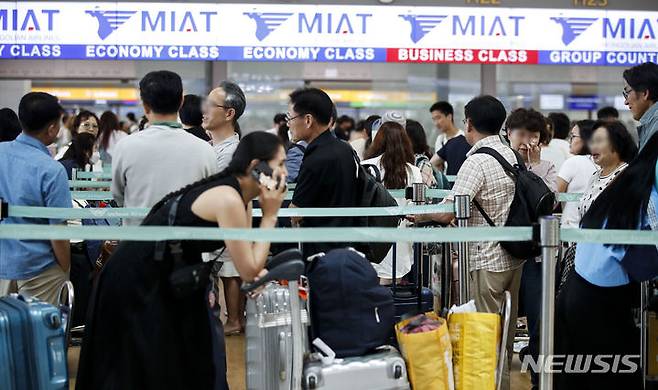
<point x="274" y="350"/>
<point x="382" y="370"/>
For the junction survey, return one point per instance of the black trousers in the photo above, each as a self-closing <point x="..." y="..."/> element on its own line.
<point x="593" y="320"/>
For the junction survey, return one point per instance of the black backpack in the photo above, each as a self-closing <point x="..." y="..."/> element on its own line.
<point x="532" y="199"/>
<point x="374" y="194"/>
<point x="350" y="311"/>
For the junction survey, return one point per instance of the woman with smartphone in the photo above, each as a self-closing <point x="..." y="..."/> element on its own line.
<point x="149" y="324"/>
<point x="524" y="129"/>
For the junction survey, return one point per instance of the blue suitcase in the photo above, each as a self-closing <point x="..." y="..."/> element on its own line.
<point x="33" y="341"/>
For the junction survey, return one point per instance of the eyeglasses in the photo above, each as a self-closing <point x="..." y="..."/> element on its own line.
<point x="290" y="118"/>
<point x="626" y="92"/>
<point x="572" y="136"/>
<point x="88" y="125"/>
<point x="210" y="104"/>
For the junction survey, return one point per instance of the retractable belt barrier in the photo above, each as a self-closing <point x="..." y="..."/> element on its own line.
<point x="111" y="213"/>
<point x="346" y="234"/>
<point x="431" y="193"/>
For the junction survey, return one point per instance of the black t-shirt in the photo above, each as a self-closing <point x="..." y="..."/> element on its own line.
<point x="199" y="132"/>
<point x="327" y="178"/>
<point x="454" y="153"/>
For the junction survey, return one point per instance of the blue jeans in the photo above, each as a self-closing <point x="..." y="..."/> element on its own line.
<point x="531" y="287"/>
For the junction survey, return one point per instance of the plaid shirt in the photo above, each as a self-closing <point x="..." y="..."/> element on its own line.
<point x="482" y="178"/>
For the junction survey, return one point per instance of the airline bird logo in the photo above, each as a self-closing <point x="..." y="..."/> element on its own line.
<point x="422" y="24"/>
<point x="573" y="27"/>
<point x="109" y="21"/>
<point x="266" y="22"/>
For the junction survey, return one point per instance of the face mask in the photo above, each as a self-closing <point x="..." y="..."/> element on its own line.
<point x="95" y="157"/>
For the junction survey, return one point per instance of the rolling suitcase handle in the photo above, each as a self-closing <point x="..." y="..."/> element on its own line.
<point x="505" y="312"/>
<point x="65" y="305"/>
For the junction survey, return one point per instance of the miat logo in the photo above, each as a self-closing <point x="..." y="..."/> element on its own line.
<point x="422" y="24"/>
<point x="110" y="20"/>
<point x="266" y="22"/>
<point x="573" y="27"/>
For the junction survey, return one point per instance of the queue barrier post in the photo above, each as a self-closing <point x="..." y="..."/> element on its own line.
<point x="644" y="302"/>
<point x="549" y="239"/>
<point x="462" y="214"/>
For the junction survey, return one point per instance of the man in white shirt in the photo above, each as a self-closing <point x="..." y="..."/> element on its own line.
<point x="162" y="158"/>
<point x="221" y="111"/>
<point x="443" y="118"/>
<point x="557" y="151"/>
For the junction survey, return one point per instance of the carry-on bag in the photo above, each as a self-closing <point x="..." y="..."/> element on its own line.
<point x="276" y="326"/>
<point x="350" y="311"/>
<point x="34" y="341"/>
<point x="428" y="352"/>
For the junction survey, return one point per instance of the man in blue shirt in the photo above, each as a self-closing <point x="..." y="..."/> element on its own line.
<point x="30" y="177"/>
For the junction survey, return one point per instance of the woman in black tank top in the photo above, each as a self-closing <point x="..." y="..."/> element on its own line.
<point x="145" y="328"/>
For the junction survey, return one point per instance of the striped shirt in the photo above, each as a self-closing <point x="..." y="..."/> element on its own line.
<point x="483" y="178"/>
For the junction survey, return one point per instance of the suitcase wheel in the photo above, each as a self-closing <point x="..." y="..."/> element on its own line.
<point x="397" y="372"/>
<point x="312" y="382"/>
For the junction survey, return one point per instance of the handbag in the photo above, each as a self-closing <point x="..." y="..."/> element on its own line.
<point x="184" y="279"/>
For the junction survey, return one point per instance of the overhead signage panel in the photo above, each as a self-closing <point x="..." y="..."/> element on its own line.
<point x="325" y="33"/>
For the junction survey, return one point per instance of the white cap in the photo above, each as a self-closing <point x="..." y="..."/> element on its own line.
<point x="390" y="116"/>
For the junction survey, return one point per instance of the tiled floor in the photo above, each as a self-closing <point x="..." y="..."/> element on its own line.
<point x="235" y="349"/>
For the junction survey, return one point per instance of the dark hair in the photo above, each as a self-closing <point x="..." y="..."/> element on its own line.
<point x="392" y="141"/>
<point x="626" y="198"/>
<point x="561" y="124"/>
<point x="370" y="121"/>
<point x="643" y="77"/>
<point x="10" y="126"/>
<point x="162" y="91"/>
<point x="486" y="113"/>
<point x="279" y="118"/>
<point x="443" y="107"/>
<point x="282" y="132"/>
<point x="190" y="112"/>
<point x="586" y="128"/>
<point x="108" y="124"/>
<point x="142" y="123"/>
<point x="528" y="119"/>
<point x="81" y="117"/>
<point x="131" y="116"/>
<point x="80" y="149"/>
<point x="547" y="134"/>
<point x="607" y="112"/>
<point x="234" y="98"/>
<point x="315" y="102"/>
<point x="37" y="110"/>
<point x="346" y="118"/>
<point x="258" y="145"/>
<point x="620" y="139"/>
<point x="418" y="138"/>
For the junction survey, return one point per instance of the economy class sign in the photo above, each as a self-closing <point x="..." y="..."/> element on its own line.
<point x="325" y="33"/>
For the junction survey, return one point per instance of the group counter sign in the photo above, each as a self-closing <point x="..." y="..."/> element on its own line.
<point x="325" y="33"/>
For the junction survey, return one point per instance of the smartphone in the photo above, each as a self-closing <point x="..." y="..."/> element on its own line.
<point x="264" y="169"/>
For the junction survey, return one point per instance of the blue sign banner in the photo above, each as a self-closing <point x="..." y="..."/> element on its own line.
<point x="583" y="103"/>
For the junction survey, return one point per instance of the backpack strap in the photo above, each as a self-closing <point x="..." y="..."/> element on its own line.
<point x="484" y="214"/>
<point x="506" y="166"/>
<point x="373" y="170"/>
<point x="513" y="170"/>
<point x="298" y="146"/>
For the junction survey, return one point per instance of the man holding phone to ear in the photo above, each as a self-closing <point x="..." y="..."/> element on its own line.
<point x="327" y="177"/>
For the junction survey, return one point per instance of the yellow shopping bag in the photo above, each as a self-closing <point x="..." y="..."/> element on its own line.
<point x="428" y="356"/>
<point x="475" y="338"/>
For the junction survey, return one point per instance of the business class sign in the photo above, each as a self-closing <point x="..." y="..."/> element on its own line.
<point x="325" y="33"/>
